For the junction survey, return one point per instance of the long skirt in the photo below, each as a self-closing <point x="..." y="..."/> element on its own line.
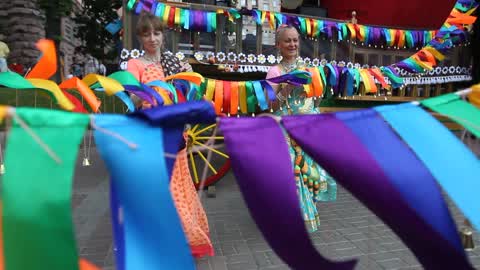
<point x="192" y="215"/>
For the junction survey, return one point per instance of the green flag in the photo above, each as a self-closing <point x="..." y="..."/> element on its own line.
<point x="457" y="109"/>
<point x="14" y="80"/>
<point x="37" y="219"/>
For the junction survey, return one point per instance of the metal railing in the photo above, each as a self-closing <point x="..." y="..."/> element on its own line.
<point x="38" y="99"/>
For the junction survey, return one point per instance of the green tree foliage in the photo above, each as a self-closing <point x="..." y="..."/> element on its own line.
<point x="91" y="20"/>
<point x="56" y="8"/>
<point x="54" y="11"/>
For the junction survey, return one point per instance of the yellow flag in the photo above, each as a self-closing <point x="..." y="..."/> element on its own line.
<point x="110" y="85"/>
<point x="53" y="89"/>
<point x="474" y="96"/>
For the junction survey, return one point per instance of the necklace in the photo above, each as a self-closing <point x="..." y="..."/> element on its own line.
<point x="152" y="59"/>
<point x="288" y="67"/>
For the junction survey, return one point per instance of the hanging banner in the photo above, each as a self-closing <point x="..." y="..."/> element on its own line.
<point x="263" y="170"/>
<point x="47" y="65"/>
<point x="117" y="227"/>
<point x="84" y="90"/>
<point x="330" y="143"/>
<point x="140" y="178"/>
<point x="393" y="156"/>
<point x="443" y="161"/>
<point x="458" y="110"/>
<point x="37" y="191"/>
<point x="174" y="119"/>
<point x="474" y="96"/>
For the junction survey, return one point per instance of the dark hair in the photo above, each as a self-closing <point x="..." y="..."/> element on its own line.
<point x="148" y="22"/>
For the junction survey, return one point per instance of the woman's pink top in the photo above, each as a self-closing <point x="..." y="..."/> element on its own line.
<point x="145" y="72"/>
<point x="273" y="72"/>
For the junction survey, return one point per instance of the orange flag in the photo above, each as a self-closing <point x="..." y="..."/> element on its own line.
<point x="85" y="91"/>
<point x="378" y="75"/>
<point x="459" y="18"/>
<point x="77" y="103"/>
<point x="47" y="65"/>
<point x="192" y="77"/>
<point x="86" y="265"/>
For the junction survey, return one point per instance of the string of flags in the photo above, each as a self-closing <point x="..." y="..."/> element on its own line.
<point x="39" y="191"/>
<point x="381" y="37"/>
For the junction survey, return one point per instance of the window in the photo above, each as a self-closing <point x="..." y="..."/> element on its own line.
<point x="306" y="48"/>
<point x="343" y="51"/>
<point x="373" y="60"/>
<point x="360" y="58"/>
<point x="249" y="35"/>
<point x="386" y="60"/>
<point x="325" y="49"/>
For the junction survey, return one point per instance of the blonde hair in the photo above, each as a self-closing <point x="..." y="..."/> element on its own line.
<point x="281" y="29"/>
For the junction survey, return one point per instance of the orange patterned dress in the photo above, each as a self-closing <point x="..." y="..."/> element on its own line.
<point x="192" y="215"/>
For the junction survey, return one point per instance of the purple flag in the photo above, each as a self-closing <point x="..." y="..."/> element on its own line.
<point x="263" y="169"/>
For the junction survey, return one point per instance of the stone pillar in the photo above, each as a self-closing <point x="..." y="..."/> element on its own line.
<point x="4" y="5"/>
<point x="24" y="26"/>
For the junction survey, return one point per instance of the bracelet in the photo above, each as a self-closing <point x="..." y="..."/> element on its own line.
<point x="280" y="97"/>
<point x="279" y="94"/>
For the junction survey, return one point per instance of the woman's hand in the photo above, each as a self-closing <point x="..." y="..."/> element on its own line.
<point x="286" y="89"/>
<point x="146" y="105"/>
<point x="185" y="67"/>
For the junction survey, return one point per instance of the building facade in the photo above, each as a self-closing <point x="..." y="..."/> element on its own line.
<point x="22" y="24"/>
<point x="69" y="42"/>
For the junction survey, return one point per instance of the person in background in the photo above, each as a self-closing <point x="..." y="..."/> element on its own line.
<point x="156" y="64"/>
<point x="76" y="68"/>
<point x="102" y="70"/>
<point x="4" y="51"/>
<point x="91" y="66"/>
<point x="17" y="68"/>
<point x="313" y="183"/>
<point x="61" y="55"/>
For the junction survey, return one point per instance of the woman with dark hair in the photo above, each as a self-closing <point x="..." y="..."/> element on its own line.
<point x="156" y="64"/>
<point x="313" y="183"/>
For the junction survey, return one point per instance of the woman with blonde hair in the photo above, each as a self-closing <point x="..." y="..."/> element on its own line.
<point x="156" y="64"/>
<point x="4" y="51"/>
<point x="313" y="183"/>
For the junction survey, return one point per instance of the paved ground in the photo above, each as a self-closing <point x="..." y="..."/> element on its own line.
<point x="348" y="229"/>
